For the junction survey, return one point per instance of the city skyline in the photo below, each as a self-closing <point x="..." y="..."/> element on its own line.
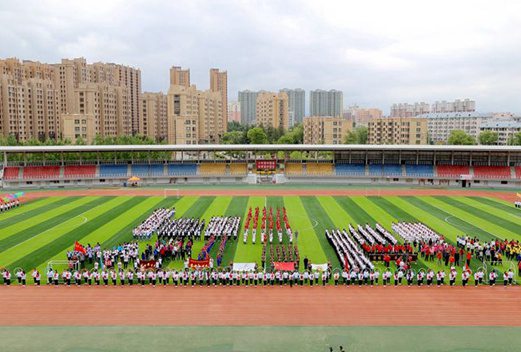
<point x="392" y="58"/>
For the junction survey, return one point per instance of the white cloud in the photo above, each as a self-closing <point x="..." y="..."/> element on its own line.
<point x="377" y="52"/>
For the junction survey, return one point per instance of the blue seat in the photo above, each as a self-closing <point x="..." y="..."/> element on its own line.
<point x="376" y="170"/>
<point x="419" y="170"/>
<point x="392" y="170"/>
<point x="350" y="169"/>
<point x="113" y="170"/>
<point x="140" y="170"/>
<point x="182" y="169"/>
<point x="156" y="170"/>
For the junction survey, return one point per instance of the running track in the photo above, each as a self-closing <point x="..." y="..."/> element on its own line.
<point x="249" y="306"/>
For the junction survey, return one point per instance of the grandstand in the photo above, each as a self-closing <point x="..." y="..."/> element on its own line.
<point x="465" y="166"/>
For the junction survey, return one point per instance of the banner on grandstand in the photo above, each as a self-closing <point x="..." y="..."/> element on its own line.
<point x="319" y="267"/>
<point x="265" y="165"/>
<point x="465" y="177"/>
<point x="200" y="263"/>
<point x="243" y="266"/>
<point x="283" y="266"/>
<point x="147" y="264"/>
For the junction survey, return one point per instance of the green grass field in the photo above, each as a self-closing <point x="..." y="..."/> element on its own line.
<point x="261" y="338"/>
<point x="44" y="229"/>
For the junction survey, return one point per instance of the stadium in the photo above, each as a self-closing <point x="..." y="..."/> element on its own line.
<point x="316" y="229"/>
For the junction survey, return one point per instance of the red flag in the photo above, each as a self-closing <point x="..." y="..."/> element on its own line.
<point x="78" y="247"/>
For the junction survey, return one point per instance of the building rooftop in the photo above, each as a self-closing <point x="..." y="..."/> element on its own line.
<point x="502" y="124"/>
<point x="444" y="115"/>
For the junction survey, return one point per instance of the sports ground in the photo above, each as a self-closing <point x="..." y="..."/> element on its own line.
<point x="243" y="319"/>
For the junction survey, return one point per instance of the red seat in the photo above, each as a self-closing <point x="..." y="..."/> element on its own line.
<point x="41" y="172"/>
<point x="518" y="172"/>
<point x="11" y="173"/>
<point x="492" y="172"/>
<point x="452" y="170"/>
<point x="79" y="171"/>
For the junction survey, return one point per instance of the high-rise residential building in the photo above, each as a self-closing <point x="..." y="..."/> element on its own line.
<point x="457" y="105"/>
<point x="234" y="111"/>
<point x="29" y="108"/>
<point x="297" y="104"/>
<point x="78" y="126"/>
<point x="179" y="77"/>
<point x="219" y="83"/>
<point x="326" y="103"/>
<point x="194" y="116"/>
<point x="326" y="130"/>
<point x="154" y="116"/>
<point x="272" y="110"/>
<point x="109" y="104"/>
<point x="505" y="129"/>
<point x="409" y="110"/>
<point x="397" y="130"/>
<point x="70" y="74"/>
<point x="440" y="125"/>
<point x="248" y="106"/>
<point x="362" y="116"/>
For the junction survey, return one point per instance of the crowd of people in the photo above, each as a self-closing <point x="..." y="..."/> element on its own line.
<point x="8" y="205"/>
<point x="220" y="226"/>
<point x="415" y="232"/>
<point x="152" y="223"/>
<point x="211" y="277"/>
<point x="492" y="251"/>
<point x="271" y="225"/>
<point x="181" y="227"/>
<point x="348" y="253"/>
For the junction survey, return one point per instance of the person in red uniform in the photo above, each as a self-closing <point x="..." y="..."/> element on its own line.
<point x="469" y="257"/>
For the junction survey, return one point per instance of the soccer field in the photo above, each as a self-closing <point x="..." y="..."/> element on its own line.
<point x="45" y="229"/>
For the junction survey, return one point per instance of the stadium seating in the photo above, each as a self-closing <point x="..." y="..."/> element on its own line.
<point x="237" y="169"/>
<point x="113" y="170"/>
<point x="419" y="170"/>
<point x="518" y="172"/>
<point x="392" y="170"/>
<point x="41" y="172"/>
<point x="140" y="170"/>
<point x="212" y="169"/>
<point x="293" y="169"/>
<point x="157" y="170"/>
<point x="452" y="170"/>
<point x="182" y="169"/>
<point x="350" y="170"/>
<point x="319" y="169"/>
<point x="494" y="172"/>
<point x="11" y="173"/>
<point x="376" y="170"/>
<point x="79" y="171"/>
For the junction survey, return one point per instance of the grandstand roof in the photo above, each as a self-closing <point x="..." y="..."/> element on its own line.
<point x="255" y="147"/>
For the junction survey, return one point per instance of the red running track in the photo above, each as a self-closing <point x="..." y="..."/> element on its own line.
<point x="249" y="306"/>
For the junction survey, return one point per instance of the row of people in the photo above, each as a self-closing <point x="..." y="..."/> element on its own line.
<point x="6" y="206"/>
<point x="212" y="277"/>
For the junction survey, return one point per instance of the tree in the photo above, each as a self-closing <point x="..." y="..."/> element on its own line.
<point x="237" y="126"/>
<point x="256" y="135"/>
<point x="515" y="139"/>
<point x="459" y="137"/>
<point x="234" y="137"/>
<point x="357" y="136"/>
<point x="488" y="138"/>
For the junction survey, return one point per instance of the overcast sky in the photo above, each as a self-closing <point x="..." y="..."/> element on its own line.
<point x="376" y="52"/>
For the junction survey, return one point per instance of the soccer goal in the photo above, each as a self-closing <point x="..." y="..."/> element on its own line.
<point x="61" y="265"/>
<point x="171" y="192"/>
